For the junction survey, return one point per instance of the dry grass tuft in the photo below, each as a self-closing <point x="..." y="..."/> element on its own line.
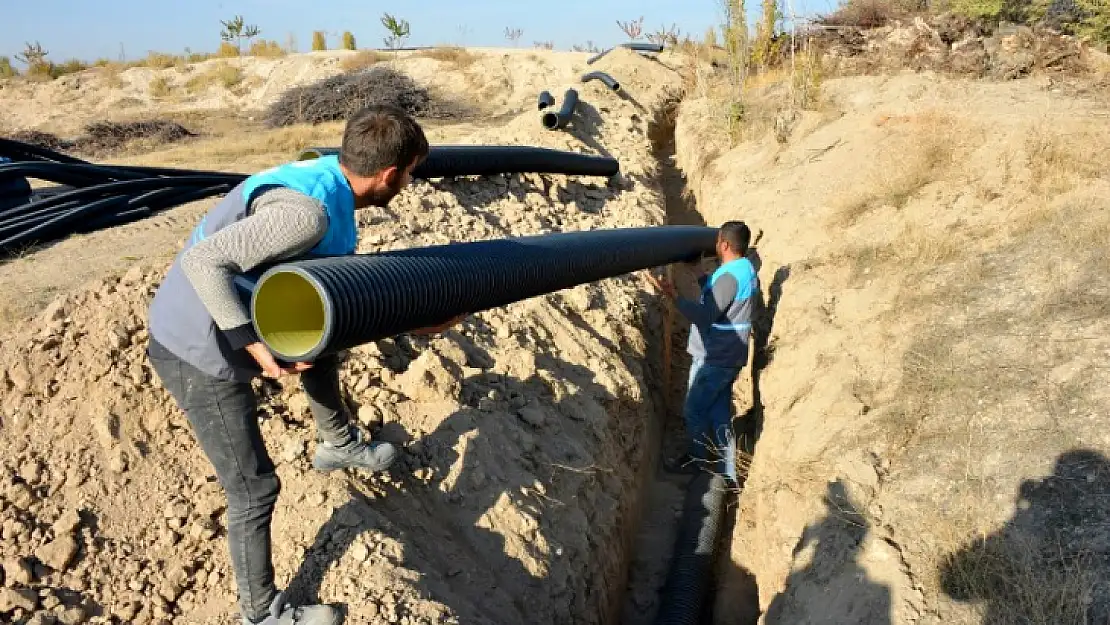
<point x="454" y="55"/>
<point x="222" y="74"/>
<point x="1059" y="162"/>
<point x="159" y="87"/>
<point x="920" y="151"/>
<point x="362" y="60"/>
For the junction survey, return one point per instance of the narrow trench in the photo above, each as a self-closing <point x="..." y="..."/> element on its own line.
<point x="662" y="493"/>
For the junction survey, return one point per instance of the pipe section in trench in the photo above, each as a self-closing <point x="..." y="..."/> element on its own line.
<point x="305" y="309"/>
<point x="608" y="80"/>
<point x="445" y="161"/>
<point x="684" y="599"/>
<point x="555" y="120"/>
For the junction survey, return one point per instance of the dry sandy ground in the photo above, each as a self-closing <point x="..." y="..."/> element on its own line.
<point x="934" y="446"/>
<point x="524" y="429"/>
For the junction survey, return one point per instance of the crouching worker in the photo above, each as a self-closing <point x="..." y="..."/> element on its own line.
<point x="720" y="330"/>
<point x="206" y="353"/>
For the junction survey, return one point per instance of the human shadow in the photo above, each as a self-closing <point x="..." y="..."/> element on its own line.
<point x="750" y="425"/>
<point x="1049" y="563"/>
<point x="833" y="587"/>
<point x="452" y="495"/>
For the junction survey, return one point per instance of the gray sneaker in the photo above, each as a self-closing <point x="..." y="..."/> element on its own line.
<point x="284" y="614"/>
<point x="357" y="454"/>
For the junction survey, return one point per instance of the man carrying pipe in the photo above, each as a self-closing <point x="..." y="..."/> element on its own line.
<point x="204" y="348"/>
<point x="720" y="330"/>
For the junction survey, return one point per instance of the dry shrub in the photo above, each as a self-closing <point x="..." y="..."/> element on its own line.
<point x="870" y="13"/>
<point x="361" y="60"/>
<point x="266" y="48"/>
<point x="337" y="97"/>
<point x="159" y="87"/>
<point x="227" y="51"/>
<point x="159" y="60"/>
<point x="222" y="74"/>
<point x="457" y="56"/>
<point x="920" y="151"/>
<point x="42" y="139"/>
<point x="107" y="136"/>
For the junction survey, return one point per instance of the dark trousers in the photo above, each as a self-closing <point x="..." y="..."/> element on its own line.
<point x="223" y="414"/>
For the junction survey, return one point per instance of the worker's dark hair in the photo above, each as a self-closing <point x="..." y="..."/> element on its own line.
<point x="381" y="136"/>
<point x="737" y="235"/>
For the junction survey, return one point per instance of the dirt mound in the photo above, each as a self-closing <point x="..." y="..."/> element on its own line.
<point x="335" y="98"/>
<point x="938" y="293"/>
<point x="521" y="433"/>
<point x="953" y="45"/>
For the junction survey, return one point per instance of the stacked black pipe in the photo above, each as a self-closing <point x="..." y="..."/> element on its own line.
<point x="368" y="297"/>
<point x="684" y="598"/>
<point x="88" y="197"/>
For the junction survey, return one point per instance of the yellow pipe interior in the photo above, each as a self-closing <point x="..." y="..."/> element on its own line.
<point x="289" y="313"/>
<point x="308" y="155"/>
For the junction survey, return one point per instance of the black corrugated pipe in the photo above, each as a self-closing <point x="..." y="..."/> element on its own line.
<point x="304" y="309"/>
<point x="685" y="594"/>
<point x="545" y="100"/>
<point x="554" y="120"/>
<point x="445" y="161"/>
<point x="638" y="46"/>
<point x="603" y="77"/>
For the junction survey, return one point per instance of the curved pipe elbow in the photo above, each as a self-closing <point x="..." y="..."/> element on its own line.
<point x="608" y="80"/>
<point x="555" y="120"/>
<point x="545" y="100"/>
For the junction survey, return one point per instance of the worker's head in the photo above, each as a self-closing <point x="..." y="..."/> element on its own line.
<point x="733" y="238"/>
<point x="381" y="147"/>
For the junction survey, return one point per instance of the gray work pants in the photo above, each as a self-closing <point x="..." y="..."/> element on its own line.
<point x="223" y="414"/>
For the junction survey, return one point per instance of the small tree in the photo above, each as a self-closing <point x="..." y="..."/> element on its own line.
<point x="632" y="28"/>
<point x="6" y="69"/>
<point x="398" y="31"/>
<point x="665" y="36"/>
<point x="319" y="42"/>
<point x="349" y="41"/>
<point x="35" y="58"/>
<point x="237" y="30"/>
<point x="544" y="45"/>
<point x="513" y="34"/>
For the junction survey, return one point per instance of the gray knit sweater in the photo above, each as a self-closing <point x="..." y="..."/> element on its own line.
<point x="281" y="224"/>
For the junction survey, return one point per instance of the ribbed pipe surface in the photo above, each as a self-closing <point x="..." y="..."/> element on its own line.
<point x="445" y="161"/>
<point x="554" y="120"/>
<point x="608" y="80"/>
<point x="683" y="598"/>
<point x="307" y="308"/>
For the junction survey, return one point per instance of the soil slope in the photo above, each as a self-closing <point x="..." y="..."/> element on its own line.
<point x="522" y="429"/>
<point x="934" y="389"/>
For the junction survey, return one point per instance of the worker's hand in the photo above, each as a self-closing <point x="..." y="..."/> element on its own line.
<point x="664" y="285"/>
<point x="270" y="367"/>
<point x="439" y="328"/>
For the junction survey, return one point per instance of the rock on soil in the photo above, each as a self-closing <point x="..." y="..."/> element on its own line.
<point x="520" y="429"/>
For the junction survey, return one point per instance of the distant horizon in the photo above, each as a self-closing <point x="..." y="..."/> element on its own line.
<point x="129" y="30"/>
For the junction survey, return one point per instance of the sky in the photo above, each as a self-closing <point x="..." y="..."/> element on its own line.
<point x="88" y="29"/>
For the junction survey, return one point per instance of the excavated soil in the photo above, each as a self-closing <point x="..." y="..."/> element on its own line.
<point x="933" y="385"/>
<point x="523" y="429"/>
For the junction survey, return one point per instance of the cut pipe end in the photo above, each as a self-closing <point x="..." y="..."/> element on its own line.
<point x="551" y="121"/>
<point x="291" y="314"/>
<point x="309" y="154"/>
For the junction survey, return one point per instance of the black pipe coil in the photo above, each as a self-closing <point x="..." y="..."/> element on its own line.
<point x="608" y="80"/>
<point x="638" y="46"/>
<point x="446" y="161"/>
<point x="367" y="297"/>
<point x="545" y="100"/>
<point x="554" y="120"/>
<point x="684" y="598"/>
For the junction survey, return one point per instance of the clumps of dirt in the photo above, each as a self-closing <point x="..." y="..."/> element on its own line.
<point x="335" y="98"/>
<point x="952" y="45"/>
<point x="521" y="431"/>
<point x="105" y="137"/>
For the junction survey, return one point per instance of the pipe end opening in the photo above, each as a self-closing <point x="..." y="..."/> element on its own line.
<point x="308" y="155"/>
<point x="289" y="314"/>
<point x="550" y="121"/>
